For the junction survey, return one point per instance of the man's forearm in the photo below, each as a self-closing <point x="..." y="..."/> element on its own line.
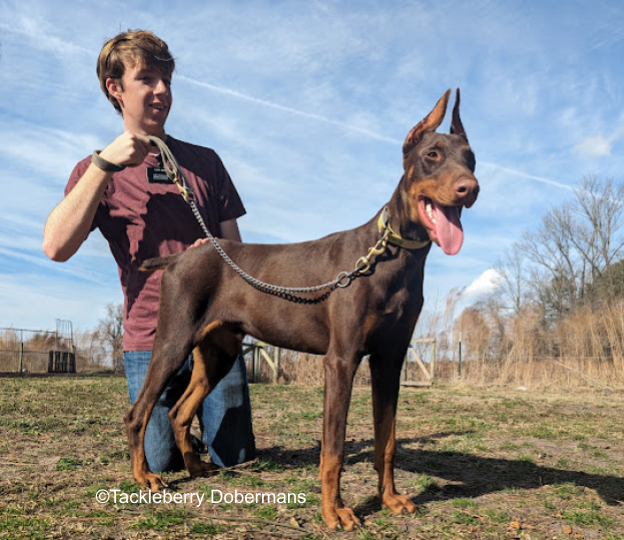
<point x="230" y="231"/>
<point x="70" y="222"/>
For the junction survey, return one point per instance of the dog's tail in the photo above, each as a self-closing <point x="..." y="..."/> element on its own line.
<point x="157" y="263"/>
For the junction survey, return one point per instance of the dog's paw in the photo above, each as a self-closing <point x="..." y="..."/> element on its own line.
<point x="398" y="504"/>
<point x="343" y="517"/>
<point x="153" y="482"/>
<point x="201" y="468"/>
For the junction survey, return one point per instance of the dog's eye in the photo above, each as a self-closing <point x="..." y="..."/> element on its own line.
<point x="433" y="154"/>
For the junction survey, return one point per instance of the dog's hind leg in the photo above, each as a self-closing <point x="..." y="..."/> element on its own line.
<point x="213" y="357"/>
<point x="385" y="379"/>
<point x="165" y="362"/>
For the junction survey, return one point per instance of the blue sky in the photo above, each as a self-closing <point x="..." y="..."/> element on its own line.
<point x="307" y="103"/>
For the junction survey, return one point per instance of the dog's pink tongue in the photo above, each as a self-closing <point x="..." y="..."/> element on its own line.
<point x="448" y="228"/>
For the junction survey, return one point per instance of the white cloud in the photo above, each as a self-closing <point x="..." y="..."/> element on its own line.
<point x="483" y="285"/>
<point x="597" y="145"/>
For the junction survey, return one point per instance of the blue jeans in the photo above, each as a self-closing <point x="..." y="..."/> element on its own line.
<point x="225" y="415"/>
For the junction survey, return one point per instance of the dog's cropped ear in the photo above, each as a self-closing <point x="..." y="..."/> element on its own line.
<point x="429" y="123"/>
<point x="456" y="124"/>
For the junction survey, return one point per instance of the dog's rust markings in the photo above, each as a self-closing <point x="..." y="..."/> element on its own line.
<point x="334" y="511"/>
<point x="140" y="469"/>
<point x="182" y="415"/>
<point x="207" y="309"/>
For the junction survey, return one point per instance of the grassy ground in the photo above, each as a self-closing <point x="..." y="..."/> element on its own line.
<point x="478" y="463"/>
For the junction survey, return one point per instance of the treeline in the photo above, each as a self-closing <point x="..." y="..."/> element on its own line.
<point x="102" y="348"/>
<point x="557" y="315"/>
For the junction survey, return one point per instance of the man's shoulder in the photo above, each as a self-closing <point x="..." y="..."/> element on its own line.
<point x="190" y="148"/>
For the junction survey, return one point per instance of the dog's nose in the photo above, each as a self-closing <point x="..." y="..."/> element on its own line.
<point x="466" y="190"/>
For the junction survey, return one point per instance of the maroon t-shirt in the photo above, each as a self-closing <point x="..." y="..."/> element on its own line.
<point x="143" y="219"/>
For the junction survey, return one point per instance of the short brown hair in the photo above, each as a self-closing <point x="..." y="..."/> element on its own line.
<point x="131" y="48"/>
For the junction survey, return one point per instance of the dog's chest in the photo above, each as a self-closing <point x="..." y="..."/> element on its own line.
<point x="401" y="305"/>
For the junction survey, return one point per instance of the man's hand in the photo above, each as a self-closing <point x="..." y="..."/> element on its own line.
<point x="200" y="242"/>
<point x="128" y="149"/>
<point x="229" y="231"/>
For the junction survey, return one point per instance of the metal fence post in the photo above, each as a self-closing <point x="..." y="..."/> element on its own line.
<point x="459" y="357"/>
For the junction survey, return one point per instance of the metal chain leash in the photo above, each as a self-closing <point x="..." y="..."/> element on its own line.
<point x="343" y="279"/>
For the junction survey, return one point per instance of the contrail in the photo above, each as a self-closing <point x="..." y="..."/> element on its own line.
<point x="529" y="176"/>
<point x="349" y="127"/>
<point x="289" y="110"/>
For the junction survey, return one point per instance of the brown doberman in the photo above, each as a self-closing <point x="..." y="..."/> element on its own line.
<point x="207" y="309"/>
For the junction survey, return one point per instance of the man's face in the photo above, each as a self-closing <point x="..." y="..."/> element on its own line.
<point x="145" y="98"/>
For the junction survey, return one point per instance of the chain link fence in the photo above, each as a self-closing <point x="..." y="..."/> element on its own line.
<point x="37" y="351"/>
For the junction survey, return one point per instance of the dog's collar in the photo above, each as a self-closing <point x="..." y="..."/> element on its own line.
<point x="383" y="223"/>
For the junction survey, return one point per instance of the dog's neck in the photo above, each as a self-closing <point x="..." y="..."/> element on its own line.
<point x="385" y="228"/>
<point x="400" y="218"/>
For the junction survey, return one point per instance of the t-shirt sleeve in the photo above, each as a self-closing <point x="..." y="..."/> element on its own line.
<point x="229" y="202"/>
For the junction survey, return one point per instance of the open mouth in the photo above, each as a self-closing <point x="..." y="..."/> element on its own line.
<point x="443" y="224"/>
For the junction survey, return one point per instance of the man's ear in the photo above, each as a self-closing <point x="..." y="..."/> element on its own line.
<point x="114" y="89"/>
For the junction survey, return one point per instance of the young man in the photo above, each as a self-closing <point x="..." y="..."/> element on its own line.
<point x="121" y="191"/>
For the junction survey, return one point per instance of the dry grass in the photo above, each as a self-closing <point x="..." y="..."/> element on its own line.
<point x="305" y="370"/>
<point x="553" y="373"/>
<point x="585" y="348"/>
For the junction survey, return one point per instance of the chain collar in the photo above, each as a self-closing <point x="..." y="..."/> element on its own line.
<point x="394" y="238"/>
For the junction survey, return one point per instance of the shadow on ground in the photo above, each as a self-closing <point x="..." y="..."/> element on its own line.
<point x="469" y="476"/>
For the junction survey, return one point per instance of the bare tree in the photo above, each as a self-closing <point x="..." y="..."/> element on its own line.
<point x="559" y="287"/>
<point x="574" y="244"/>
<point x="554" y="275"/>
<point x="90" y="352"/>
<point x="597" y="231"/>
<point x="514" y="285"/>
<point x="110" y="333"/>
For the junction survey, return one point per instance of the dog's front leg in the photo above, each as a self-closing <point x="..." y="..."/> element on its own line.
<point x="385" y="378"/>
<point x="136" y="421"/>
<point x="338" y="384"/>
